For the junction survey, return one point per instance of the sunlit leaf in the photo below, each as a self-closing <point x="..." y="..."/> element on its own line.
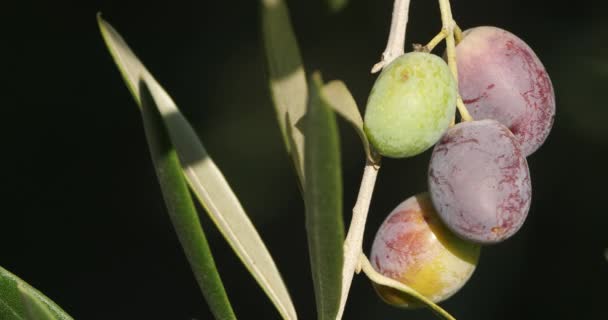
<point x="380" y="279"/>
<point x="339" y="98"/>
<point x="323" y="201"/>
<point x="203" y="176"/>
<point x="34" y="308"/>
<point x="19" y="301"/>
<point x="288" y="86"/>
<point x="181" y="208"/>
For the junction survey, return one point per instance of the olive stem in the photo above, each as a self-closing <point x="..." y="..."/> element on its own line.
<point x="435" y="41"/>
<point x="449" y="26"/>
<point x="380" y="279"/>
<point x="457" y="33"/>
<point x="353" y="245"/>
<point x="396" y="38"/>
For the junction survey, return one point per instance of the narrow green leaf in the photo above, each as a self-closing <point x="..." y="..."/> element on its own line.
<point x="336" y="5"/>
<point x="20" y="301"/>
<point x="288" y="86"/>
<point x="312" y="141"/>
<point x="35" y="309"/>
<point x="339" y="98"/>
<point x="203" y="176"/>
<point x="380" y="279"/>
<point x="181" y="208"/>
<point x="323" y="199"/>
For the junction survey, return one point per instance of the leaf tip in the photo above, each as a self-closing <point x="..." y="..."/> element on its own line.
<point x="100" y="21"/>
<point x="317" y="79"/>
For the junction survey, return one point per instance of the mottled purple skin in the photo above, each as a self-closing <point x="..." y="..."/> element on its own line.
<point x="501" y="78"/>
<point x="479" y="181"/>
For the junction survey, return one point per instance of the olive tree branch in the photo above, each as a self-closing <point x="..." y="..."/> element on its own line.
<point x="354" y="239"/>
<point x="396" y="37"/>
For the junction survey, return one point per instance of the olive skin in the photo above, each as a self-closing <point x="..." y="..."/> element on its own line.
<point x="410" y="105"/>
<point x="479" y="181"/>
<point x="501" y="78"/>
<point x="414" y="247"/>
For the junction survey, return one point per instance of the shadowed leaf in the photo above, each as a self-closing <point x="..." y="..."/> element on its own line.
<point x="323" y="200"/>
<point x="181" y="208"/>
<point x="339" y="98"/>
<point x="288" y="86"/>
<point x="203" y="176"/>
<point x="310" y="134"/>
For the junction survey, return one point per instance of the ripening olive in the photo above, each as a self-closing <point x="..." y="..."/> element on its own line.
<point x="414" y="247"/>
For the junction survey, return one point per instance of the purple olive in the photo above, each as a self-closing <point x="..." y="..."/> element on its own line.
<point x="479" y="181"/>
<point x="501" y="78"/>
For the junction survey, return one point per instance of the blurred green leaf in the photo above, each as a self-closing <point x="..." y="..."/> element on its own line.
<point x="181" y="208"/>
<point x="339" y="98"/>
<point x="288" y="86"/>
<point x="35" y="309"/>
<point x="312" y="141"/>
<point x="203" y="176"/>
<point x="19" y="301"/>
<point x="323" y="200"/>
<point x="336" y="5"/>
<point x="380" y="279"/>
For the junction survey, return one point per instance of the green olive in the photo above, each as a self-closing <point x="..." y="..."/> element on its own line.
<point x="411" y="105"/>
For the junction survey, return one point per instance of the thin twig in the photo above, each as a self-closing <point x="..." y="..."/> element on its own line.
<point x="354" y="238"/>
<point x="435" y="41"/>
<point x="448" y="27"/>
<point x="396" y="37"/>
<point x="457" y="33"/>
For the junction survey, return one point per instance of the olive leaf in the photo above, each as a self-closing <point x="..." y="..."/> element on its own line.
<point x="35" y="309"/>
<point x="288" y="87"/>
<point x="20" y="301"/>
<point x="181" y="208"/>
<point x="203" y="176"/>
<point x="310" y="134"/>
<point x="337" y="95"/>
<point x="323" y="200"/>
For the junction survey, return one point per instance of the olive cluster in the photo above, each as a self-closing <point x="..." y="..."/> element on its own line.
<point x="478" y="177"/>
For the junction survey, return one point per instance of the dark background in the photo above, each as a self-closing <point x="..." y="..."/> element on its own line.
<point x="82" y="215"/>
